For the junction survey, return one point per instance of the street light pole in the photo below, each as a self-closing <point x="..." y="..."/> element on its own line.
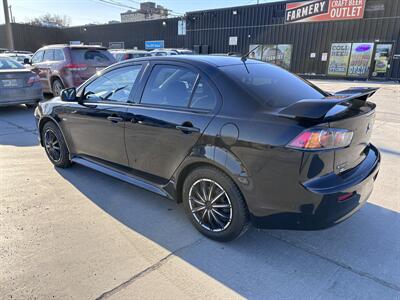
<point x="9" y="34"/>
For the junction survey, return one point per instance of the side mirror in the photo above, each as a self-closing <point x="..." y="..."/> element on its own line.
<point x="68" y="95"/>
<point x="27" y="61"/>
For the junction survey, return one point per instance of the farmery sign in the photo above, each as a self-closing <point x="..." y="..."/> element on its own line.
<point x="324" y="10"/>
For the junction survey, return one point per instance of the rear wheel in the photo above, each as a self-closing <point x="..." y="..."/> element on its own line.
<point x="57" y="87"/>
<point x="55" y="146"/>
<point x="215" y="205"/>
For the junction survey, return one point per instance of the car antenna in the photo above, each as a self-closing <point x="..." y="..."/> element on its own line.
<point x="244" y="57"/>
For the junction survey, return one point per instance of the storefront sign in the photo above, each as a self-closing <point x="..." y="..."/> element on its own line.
<point x="324" y="10"/>
<point x="339" y="59"/>
<point x="360" y="60"/>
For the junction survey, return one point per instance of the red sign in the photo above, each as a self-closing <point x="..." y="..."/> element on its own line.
<point x="324" y="10"/>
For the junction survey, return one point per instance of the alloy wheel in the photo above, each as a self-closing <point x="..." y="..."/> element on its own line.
<point x="52" y="145"/>
<point x="210" y="205"/>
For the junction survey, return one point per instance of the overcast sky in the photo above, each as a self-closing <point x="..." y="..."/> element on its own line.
<point x="90" y="11"/>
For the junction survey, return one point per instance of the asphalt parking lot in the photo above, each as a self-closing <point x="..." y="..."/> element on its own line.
<point x="78" y="234"/>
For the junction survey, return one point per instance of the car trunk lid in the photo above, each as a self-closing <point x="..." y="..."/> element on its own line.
<point x="347" y="109"/>
<point x="17" y="78"/>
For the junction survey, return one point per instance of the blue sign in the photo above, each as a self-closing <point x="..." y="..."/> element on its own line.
<point x="153" y="45"/>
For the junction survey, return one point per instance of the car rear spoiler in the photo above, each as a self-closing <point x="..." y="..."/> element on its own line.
<point x="317" y="109"/>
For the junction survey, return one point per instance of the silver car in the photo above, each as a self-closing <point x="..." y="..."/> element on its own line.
<point x="18" y="85"/>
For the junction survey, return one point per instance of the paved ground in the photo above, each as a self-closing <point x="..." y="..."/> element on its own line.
<point x="77" y="234"/>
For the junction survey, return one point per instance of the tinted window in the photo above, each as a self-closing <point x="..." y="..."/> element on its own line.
<point x="8" y="63"/>
<point x="48" y="55"/>
<point x="38" y="57"/>
<point x="203" y="97"/>
<point x="115" y="85"/>
<point x="92" y="57"/>
<point x="272" y="85"/>
<point x="59" y="55"/>
<point x="169" y="85"/>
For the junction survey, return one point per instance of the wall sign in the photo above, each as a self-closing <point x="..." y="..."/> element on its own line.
<point x="324" y="10"/>
<point x="233" y="41"/>
<point x="153" y="44"/>
<point x="339" y="59"/>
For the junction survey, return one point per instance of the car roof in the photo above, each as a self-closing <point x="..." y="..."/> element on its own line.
<point x="205" y="60"/>
<point x="74" y="46"/>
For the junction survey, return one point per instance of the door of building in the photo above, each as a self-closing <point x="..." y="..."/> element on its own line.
<point x="380" y="66"/>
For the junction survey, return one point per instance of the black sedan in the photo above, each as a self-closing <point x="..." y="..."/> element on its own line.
<point x="237" y="141"/>
<point x="18" y="85"/>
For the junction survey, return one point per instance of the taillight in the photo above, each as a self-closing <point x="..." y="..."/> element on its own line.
<point x="76" y="67"/>
<point x="322" y="139"/>
<point x="32" y="80"/>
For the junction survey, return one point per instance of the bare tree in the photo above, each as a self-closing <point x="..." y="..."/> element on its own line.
<point x="49" y="19"/>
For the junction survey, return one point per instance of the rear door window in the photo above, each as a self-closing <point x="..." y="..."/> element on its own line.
<point x="59" y="55"/>
<point x="204" y="97"/>
<point x="93" y="57"/>
<point x="272" y="85"/>
<point x="169" y="86"/>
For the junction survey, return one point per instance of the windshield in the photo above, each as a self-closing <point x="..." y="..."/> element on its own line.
<point x="272" y="85"/>
<point x="8" y="63"/>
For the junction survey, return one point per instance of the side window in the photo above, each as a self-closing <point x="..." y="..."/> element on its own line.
<point x="204" y="97"/>
<point x="115" y="85"/>
<point x="170" y="86"/>
<point x="48" y="55"/>
<point x="38" y="57"/>
<point x="59" y="55"/>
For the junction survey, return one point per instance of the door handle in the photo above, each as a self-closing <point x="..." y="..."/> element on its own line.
<point x="187" y="129"/>
<point x="115" y="119"/>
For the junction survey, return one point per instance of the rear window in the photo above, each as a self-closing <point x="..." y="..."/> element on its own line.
<point x="8" y="63"/>
<point x="92" y="57"/>
<point x="272" y="85"/>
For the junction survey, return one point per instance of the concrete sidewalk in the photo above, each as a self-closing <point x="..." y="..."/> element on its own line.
<point x="78" y="234"/>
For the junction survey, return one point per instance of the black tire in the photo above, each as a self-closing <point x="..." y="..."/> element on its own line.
<point x="31" y="105"/>
<point x="56" y="87"/>
<point x="51" y="135"/>
<point x="238" y="211"/>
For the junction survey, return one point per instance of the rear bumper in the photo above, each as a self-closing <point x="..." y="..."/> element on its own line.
<point x="328" y="200"/>
<point x="27" y="95"/>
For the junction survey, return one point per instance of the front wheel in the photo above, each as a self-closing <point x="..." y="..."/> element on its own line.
<point x="55" y="146"/>
<point x="215" y="205"/>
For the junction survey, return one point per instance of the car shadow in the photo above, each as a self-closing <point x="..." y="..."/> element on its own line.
<point x="358" y="258"/>
<point x="17" y="126"/>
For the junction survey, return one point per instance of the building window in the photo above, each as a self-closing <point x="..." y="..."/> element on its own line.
<point x="182" y="27"/>
<point x="278" y="54"/>
<point x="339" y="59"/>
<point x="360" y="60"/>
<point x="350" y="59"/>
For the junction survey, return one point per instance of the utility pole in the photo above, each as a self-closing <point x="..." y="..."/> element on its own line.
<point x="9" y="34"/>
<point x="11" y="15"/>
